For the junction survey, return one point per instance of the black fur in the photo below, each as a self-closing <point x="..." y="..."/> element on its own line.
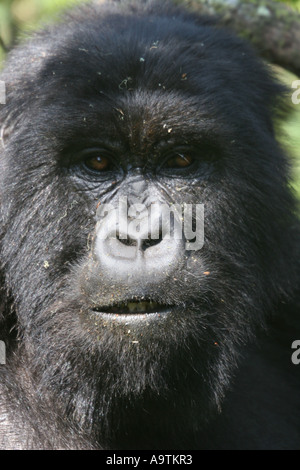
<point x="217" y="373"/>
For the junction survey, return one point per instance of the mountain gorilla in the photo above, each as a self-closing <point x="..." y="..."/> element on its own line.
<point x="124" y="340"/>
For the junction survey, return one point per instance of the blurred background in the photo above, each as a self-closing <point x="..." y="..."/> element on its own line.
<point x="18" y="17"/>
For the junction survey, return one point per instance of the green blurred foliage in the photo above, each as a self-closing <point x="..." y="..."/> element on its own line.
<point x="291" y="141"/>
<point x="293" y="3"/>
<point x="19" y="16"/>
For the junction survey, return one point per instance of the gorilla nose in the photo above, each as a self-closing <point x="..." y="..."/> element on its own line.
<point x="132" y="247"/>
<point x="138" y="251"/>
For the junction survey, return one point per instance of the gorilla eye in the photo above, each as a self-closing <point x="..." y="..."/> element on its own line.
<point x="179" y="161"/>
<point x="98" y="163"/>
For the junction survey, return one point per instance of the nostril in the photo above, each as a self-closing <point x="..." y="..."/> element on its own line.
<point x="142" y="243"/>
<point x="126" y="240"/>
<point x="149" y="242"/>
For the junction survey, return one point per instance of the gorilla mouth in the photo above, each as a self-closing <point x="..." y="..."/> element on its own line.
<point x="135" y="308"/>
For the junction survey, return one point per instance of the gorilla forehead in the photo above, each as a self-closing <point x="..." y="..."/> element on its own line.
<point x="151" y="53"/>
<point x="139" y="63"/>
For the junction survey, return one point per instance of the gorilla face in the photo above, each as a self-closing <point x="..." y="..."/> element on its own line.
<point x="158" y="109"/>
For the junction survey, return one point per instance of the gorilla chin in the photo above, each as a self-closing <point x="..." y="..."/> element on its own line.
<point x="118" y="335"/>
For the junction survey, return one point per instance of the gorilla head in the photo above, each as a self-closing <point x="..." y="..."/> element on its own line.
<point x="116" y="337"/>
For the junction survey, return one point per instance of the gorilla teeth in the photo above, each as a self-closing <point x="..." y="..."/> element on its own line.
<point x="143" y="307"/>
<point x="134" y="307"/>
